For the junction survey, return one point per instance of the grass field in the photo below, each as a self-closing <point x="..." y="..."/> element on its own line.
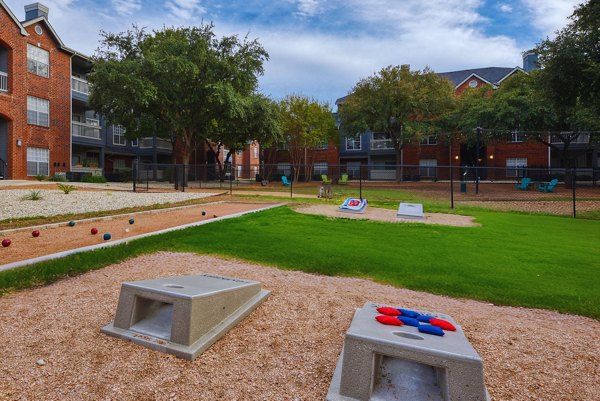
<point x="512" y="259"/>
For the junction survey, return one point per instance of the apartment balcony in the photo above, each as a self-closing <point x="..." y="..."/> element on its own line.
<point x="3" y="81"/>
<point x="581" y="139"/>
<point x="148" y="143"/>
<point x="80" y="89"/>
<point x="86" y="130"/>
<point x="382" y="144"/>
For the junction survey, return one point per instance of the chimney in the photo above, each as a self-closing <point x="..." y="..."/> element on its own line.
<point x="530" y="61"/>
<point x="35" y="10"/>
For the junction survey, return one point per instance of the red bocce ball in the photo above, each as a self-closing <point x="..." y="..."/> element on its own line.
<point x="94" y="231"/>
<point x="35" y="233"/>
<point x="6" y="242"/>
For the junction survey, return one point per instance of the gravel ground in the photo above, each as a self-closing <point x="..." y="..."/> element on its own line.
<point x="56" y="202"/>
<point x="285" y="350"/>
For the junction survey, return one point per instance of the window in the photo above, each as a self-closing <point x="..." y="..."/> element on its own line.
<point x="515" y="167"/>
<point x="353" y="169"/>
<point x="381" y="140"/>
<point x="38" y="161"/>
<point x="37" y="60"/>
<point x="284" y="168"/>
<point x="324" y="145"/>
<point x="119" y="164"/>
<point x="353" y="142"/>
<point x="429" y="140"/>
<point x="255" y="151"/>
<point x="516" y="136"/>
<point x="135" y="142"/>
<point x="119" y="135"/>
<point x="38" y="111"/>
<point x="427" y="167"/>
<point x="320" y="168"/>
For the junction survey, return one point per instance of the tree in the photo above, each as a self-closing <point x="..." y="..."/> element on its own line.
<point x="180" y="83"/>
<point x="305" y="123"/>
<point x="401" y="103"/>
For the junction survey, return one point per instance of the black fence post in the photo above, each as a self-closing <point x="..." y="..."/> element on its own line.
<point x="451" y="186"/>
<point x="291" y="181"/>
<point x="360" y="173"/>
<point x="134" y="175"/>
<point x="574" y="184"/>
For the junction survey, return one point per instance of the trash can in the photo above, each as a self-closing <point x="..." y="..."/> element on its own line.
<point x="463" y="187"/>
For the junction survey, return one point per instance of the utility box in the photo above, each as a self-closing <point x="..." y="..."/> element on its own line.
<point x="183" y="315"/>
<point x="382" y="362"/>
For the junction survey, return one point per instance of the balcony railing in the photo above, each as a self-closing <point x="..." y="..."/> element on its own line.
<point x="3" y="81"/>
<point x="381" y="144"/>
<point x="80" y="85"/>
<point x="581" y="138"/>
<point x="86" y="130"/>
<point x="148" y="142"/>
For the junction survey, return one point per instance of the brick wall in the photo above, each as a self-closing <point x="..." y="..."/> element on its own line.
<point x="55" y="89"/>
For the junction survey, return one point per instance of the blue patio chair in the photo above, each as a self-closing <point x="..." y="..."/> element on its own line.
<point x="524" y="184"/>
<point x="285" y="181"/>
<point x="548" y="187"/>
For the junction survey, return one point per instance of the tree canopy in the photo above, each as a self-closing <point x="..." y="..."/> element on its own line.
<point x="306" y="123"/>
<point x="401" y="103"/>
<point x="180" y="83"/>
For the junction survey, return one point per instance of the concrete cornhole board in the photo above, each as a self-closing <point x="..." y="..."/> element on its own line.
<point x="183" y="315"/>
<point x="410" y="211"/>
<point x="354" y="205"/>
<point x="380" y="362"/>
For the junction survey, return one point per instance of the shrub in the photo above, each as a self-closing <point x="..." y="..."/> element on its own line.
<point x="39" y="177"/>
<point x="94" y="178"/>
<point x="33" y="195"/>
<point x="58" y="178"/>
<point x="66" y="188"/>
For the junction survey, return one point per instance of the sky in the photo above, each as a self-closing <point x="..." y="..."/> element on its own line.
<point x="322" y="48"/>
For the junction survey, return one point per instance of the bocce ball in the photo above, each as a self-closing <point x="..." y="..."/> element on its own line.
<point x="94" y="231"/>
<point x="6" y="242"/>
<point x="106" y="236"/>
<point x="71" y="223"/>
<point x="35" y="233"/>
<point x="131" y="221"/>
<point x="126" y="230"/>
<point x="203" y="213"/>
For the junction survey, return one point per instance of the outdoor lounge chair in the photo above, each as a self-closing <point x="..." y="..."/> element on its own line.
<point x="285" y="181"/>
<point x="343" y="179"/>
<point x="524" y="184"/>
<point x="548" y="187"/>
<point x="325" y="179"/>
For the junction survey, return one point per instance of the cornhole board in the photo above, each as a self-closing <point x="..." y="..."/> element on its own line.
<point x="183" y="315"/>
<point x="410" y="211"/>
<point x="380" y="362"/>
<point x="354" y="205"/>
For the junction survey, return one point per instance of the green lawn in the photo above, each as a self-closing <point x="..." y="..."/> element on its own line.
<point x="512" y="259"/>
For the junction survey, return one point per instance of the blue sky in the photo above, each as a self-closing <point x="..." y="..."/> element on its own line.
<point x="321" y="48"/>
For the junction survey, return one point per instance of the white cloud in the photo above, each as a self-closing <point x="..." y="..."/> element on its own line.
<point x="184" y="9"/>
<point x="505" y="8"/>
<point x="308" y="8"/>
<point x="126" y="7"/>
<point x="550" y="15"/>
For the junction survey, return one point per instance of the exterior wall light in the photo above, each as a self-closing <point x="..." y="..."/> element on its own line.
<point x="491" y="157"/>
<point x="456" y="157"/>
<point x="19" y="142"/>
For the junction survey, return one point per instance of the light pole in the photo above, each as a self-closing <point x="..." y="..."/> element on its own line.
<point x="477" y="146"/>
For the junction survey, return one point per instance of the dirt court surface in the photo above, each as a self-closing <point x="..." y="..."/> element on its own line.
<point x="61" y="237"/>
<point x="373" y="213"/>
<point x="284" y="350"/>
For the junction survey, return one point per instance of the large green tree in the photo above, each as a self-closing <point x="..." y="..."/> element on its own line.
<point x="306" y="123"/>
<point x="401" y="103"/>
<point x="180" y="83"/>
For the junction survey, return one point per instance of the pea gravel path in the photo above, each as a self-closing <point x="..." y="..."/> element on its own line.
<point x="284" y="350"/>
<point x="56" y="202"/>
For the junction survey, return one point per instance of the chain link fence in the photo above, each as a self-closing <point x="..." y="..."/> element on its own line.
<point x="570" y="192"/>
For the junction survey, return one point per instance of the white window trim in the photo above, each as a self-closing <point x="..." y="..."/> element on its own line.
<point x="36" y="62"/>
<point x="353" y="141"/>
<point x="35" y="153"/>
<point x="36" y="102"/>
<point x="122" y="134"/>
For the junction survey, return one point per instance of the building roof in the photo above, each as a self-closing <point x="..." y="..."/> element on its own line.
<point x="492" y="75"/>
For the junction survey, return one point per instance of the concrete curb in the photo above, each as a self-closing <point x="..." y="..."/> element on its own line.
<point x="63" y="254"/>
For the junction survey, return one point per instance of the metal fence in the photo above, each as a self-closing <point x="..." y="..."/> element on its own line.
<point x="559" y="191"/>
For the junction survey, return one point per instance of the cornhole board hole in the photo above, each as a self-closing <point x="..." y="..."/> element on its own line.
<point x="183" y="315"/>
<point x="354" y="205"/>
<point x="381" y="362"/>
<point x="410" y="211"/>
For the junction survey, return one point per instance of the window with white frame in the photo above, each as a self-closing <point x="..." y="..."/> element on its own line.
<point x="38" y="61"/>
<point x="427" y="167"/>
<point x="38" y="161"/>
<point x="135" y="142"/>
<point x="429" y="140"/>
<point x="320" y="168"/>
<point x="255" y="151"/>
<point x="517" y="136"/>
<point x="515" y="167"/>
<point x="119" y="135"/>
<point x="38" y="111"/>
<point x="353" y="142"/>
<point x="284" y="169"/>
